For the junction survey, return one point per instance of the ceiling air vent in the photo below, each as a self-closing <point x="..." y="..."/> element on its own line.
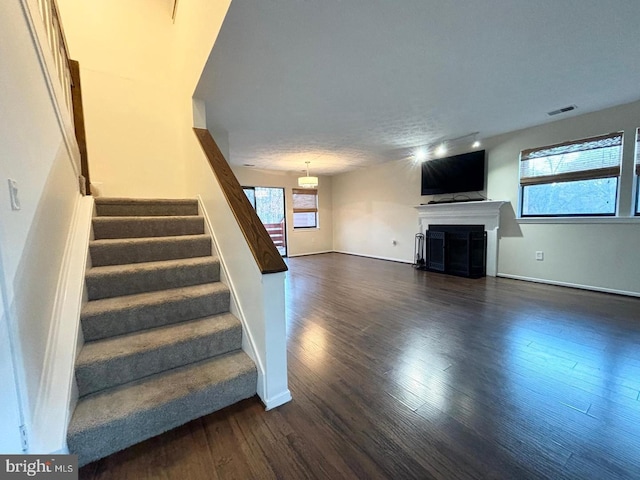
<point x="562" y="110"/>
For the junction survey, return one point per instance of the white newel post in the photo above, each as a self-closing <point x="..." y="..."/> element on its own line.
<point x="467" y="213"/>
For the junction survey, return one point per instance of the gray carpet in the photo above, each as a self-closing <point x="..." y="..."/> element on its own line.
<point x="161" y="347"/>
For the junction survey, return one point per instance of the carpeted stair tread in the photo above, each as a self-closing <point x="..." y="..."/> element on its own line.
<point x="147" y="206"/>
<point x="111" y="420"/>
<point x="116" y="280"/>
<point x="118" y="360"/>
<point x="125" y="314"/>
<point x="146" y="226"/>
<point x="160" y="345"/>
<point x="140" y="250"/>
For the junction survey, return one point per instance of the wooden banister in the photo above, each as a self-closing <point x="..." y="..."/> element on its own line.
<point x="78" y="123"/>
<point x="68" y="75"/>
<point x="264" y="251"/>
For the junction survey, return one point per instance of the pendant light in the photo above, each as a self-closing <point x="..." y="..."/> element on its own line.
<point x="308" y="181"/>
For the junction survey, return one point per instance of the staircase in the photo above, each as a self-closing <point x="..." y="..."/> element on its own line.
<point x="161" y="347"/>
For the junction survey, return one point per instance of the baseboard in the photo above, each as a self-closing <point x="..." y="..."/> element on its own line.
<point x="309" y="253"/>
<point x="570" y="285"/>
<point x="388" y="259"/>
<point x="278" y="400"/>
<point x="55" y="394"/>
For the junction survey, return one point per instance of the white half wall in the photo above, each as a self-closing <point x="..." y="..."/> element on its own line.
<point x="299" y="241"/>
<point x="256" y="299"/>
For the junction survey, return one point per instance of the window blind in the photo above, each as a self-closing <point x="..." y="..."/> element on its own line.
<point x="589" y="158"/>
<point x="638" y="152"/>
<point x="305" y="200"/>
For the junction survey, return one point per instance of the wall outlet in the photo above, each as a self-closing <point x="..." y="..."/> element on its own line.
<point x="539" y="255"/>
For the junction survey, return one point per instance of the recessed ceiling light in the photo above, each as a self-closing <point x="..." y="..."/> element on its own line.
<point x="421" y="155"/>
<point x="476" y="144"/>
<point x="441" y="150"/>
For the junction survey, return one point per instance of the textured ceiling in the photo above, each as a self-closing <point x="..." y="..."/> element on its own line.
<point x="351" y="83"/>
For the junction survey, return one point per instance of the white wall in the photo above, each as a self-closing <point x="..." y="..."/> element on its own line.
<point x="299" y="241"/>
<point x="32" y="240"/>
<point x="373" y="206"/>
<point x="10" y="440"/>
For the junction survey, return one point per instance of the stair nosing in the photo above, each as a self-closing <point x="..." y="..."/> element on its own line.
<point x="142" y="240"/>
<point x="95" y="397"/>
<point x="95" y="307"/>
<point x="144" y="201"/>
<point x="94" y="272"/>
<point x="119" y="342"/>
<point x="145" y="218"/>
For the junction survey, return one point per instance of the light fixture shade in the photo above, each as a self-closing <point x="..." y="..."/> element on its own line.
<point x="308" y="182"/>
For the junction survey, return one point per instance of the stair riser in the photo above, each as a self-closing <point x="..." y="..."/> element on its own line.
<point x="99" y="442"/>
<point x="138" y="252"/>
<point x="119" y="322"/>
<point x="156" y="354"/>
<point x="126" y="283"/>
<point x="117" y="371"/>
<point x="145" y="208"/>
<point x="136" y="227"/>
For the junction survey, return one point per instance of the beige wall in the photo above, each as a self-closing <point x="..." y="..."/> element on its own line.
<point x="138" y="72"/>
<point x="374" y="206"/>
<point x="600" y="253"/>
<point x="299" y="241"/>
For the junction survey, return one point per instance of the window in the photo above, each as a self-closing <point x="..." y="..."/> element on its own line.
<point x="269" y="205"/>
<point x="250" y="192"/>
<point x="638" y="172"/>
<point x="571" y="178"/>
<point x="305" y="208"/>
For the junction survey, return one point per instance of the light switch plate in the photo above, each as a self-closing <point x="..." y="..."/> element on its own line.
<point x="13" y="195"/>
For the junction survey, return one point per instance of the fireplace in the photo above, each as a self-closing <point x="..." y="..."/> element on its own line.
<point x="485" y="213"/>
<point x="456" y="250"/>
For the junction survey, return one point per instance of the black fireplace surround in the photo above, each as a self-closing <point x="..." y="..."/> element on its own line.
<point x="457" y="250"/>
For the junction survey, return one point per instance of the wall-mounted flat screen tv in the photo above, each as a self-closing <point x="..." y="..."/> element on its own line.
<point x="456" y="174"/>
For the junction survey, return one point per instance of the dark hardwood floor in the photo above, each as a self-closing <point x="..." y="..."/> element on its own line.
<point x="397" y="373"/>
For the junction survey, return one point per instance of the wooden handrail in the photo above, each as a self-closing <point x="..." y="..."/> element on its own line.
<point x="78" y="123"/>
<point x="69" y="77"/>
<point x="264" y="251"/>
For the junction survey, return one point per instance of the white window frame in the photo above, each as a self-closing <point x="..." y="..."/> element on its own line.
<point x="529" y="177"/>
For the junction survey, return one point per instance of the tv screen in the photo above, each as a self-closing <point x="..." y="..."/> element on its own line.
<point x="456" y="174"/>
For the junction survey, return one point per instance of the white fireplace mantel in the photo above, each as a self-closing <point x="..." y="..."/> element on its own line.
<point x="485" y="213"/>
